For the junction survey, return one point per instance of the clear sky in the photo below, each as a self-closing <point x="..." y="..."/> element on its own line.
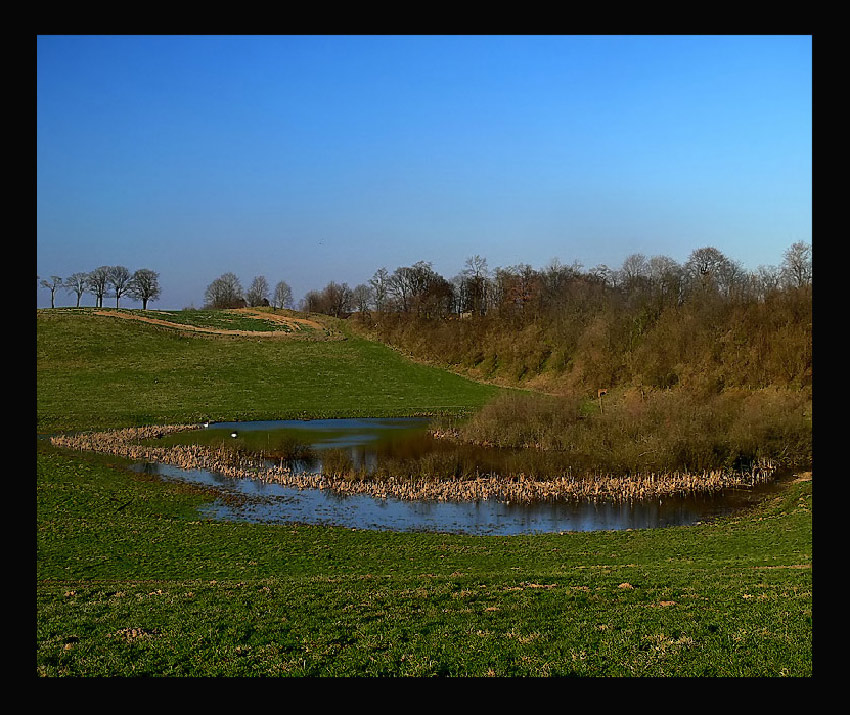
<point x="317" y="158"/>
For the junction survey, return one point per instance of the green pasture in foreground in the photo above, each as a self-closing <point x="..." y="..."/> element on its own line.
<point x="130" y="581"/>
<point x="102" y="372"/>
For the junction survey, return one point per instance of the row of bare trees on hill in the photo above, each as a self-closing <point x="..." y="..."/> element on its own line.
<point x="521" y="290"/>
<point x="226" y="292"/>
<point x="106" y="281"/>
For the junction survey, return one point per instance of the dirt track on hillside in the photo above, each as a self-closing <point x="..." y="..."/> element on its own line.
<point x="292" y="323"/>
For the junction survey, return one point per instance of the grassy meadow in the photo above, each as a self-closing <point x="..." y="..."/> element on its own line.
<point x="101" y="372"/>
<point x="132" y="581"/>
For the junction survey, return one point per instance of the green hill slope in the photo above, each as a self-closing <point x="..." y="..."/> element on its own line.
<point x="98" y="371"/>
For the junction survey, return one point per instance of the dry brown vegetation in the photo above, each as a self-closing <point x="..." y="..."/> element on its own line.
<point x="423" y="483"/>
<point x="706" y="366"/>
<point x="642" y="431"/>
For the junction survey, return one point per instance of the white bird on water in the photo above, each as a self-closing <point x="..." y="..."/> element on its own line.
<point x="233" y="434"/>
<point x="206" y="424"/>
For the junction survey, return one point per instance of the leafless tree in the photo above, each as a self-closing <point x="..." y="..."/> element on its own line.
<point x="412" y="287"/>
<point x="797" y="264"/>
<point x="224" y="292"/>
<point x="705" y="262"/>
<point x="400" y="287"/>
<point x="144" y="286"/>
<point x="707" y="268"/>
<point x="362" y="297"/>
<point x="555" y="276"/>
<point x="475" y="289"/>
<point x="634" y="273"/>
<point x="602" y="273"/>
<point x="119" y="278"/>
<point x="282" y="296"/>
<point x="52" y="285"/>
<point x="97" y="284"/>
<point x="380" y="283"/>
<point x="338" y="298"/>
<point x="77" y="283"/>
<point x="312" y="302"/>
<point x="768" y="280"/>
<point x="666" y="276"/>
<point x="258" y="293"/>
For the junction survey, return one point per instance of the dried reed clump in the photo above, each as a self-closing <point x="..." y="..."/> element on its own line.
<point x="517" y="488"/>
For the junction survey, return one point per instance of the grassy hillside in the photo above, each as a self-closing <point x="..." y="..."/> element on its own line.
<point x="98" y="371"/>
<point x="132" y="581"/>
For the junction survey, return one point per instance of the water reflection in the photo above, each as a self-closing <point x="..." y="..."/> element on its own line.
<point x="368" y="441"/>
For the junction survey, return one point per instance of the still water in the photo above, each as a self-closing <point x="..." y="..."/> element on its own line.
<point x="366" y="440"/>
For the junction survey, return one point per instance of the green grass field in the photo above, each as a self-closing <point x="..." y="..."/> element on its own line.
<point x="131" y="581"/>
<point x="97" y="371"/>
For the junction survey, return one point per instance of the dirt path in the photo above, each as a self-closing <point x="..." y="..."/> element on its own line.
<point x="291" y="322"/>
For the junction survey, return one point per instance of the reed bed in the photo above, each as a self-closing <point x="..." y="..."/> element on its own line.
<point x="643" y="431"/>
<point x="424" y="487"/>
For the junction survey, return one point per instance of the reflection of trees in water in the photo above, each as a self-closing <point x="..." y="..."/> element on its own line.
<point x="420" y="468"/>
<point x="422" y="456"/>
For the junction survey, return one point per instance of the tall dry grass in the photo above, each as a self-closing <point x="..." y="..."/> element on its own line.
<point x="645" y="430"/>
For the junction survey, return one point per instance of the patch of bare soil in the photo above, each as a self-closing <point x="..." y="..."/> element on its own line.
<point x="292" y="322"/>
<point x="281" y="318"/>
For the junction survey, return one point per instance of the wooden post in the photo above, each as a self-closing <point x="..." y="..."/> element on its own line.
<point x="599" y="393"/>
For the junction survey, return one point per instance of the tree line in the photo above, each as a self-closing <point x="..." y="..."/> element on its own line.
<point x="521" y="290"/>
<point x="107" y="281"/>
<point x="226" y="292"/>
<point x="652" y="322"/>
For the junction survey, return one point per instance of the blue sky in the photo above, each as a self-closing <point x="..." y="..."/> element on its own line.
<point x="317" y="158"/>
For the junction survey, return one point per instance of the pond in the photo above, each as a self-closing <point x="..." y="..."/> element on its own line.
<point x="364" y="443"/>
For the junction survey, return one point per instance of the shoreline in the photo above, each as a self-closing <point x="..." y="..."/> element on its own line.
<point x="518" y="489"/>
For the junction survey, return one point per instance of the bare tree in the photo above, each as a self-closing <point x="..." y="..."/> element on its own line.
<point x="708" y="269"/>
<point x="475" y="266"/>
<point x="408" y="285"/>
<point x="665" y="274"/>
<point x="144" y="286"/>
<point x="475" y="289"/>
<point x="362" y="297"/>
<point x="797" y="264"/>
<point x="768" y="280"/>
<point x="282" y="296"/>
<point x="119" y="278"/>
<point x="380" y="283"/>
<point x="97" y="283"/>
<point x="603" y="274"/>
<point x="52" y="285"/>
<point x="312" y="302"/>
<point x="734" y="279"/>
<point x="400" y="287"/>
<point x="634" y="272"/>
<point x="77" y="283"/>
<point x="338" y="298"/>
<point x="258" y="293"/>
<point x="224" y="292"/>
